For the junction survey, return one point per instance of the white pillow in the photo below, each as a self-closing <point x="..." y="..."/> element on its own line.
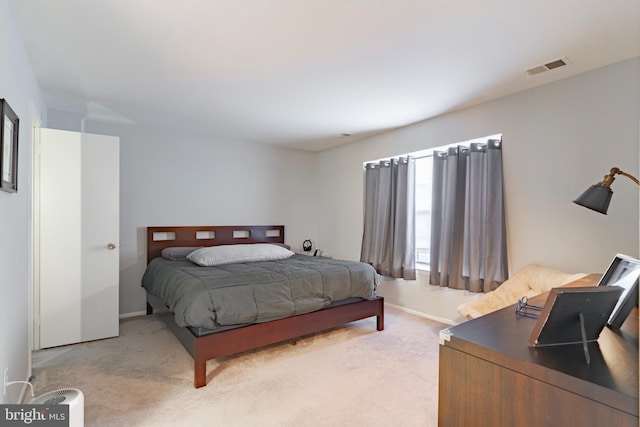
<point x="229" y="254"/>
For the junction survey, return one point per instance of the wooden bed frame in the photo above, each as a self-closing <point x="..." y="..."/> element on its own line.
<point x="232" y="341"/>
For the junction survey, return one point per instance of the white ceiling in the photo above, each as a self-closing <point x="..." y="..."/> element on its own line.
<point x="299" y="73"/>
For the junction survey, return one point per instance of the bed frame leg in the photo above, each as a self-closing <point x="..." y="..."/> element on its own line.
<point x="149" y="309"/>
<point x="380" y="317"/>
<point x="199" y="373"/>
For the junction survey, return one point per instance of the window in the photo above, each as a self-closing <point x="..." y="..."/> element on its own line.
<point x="424" y="176"/>
<point x="423" y="187"/>
<point x="423" y="211"/>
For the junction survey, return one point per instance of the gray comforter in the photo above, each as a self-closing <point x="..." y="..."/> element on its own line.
<point x="256" y="292"/>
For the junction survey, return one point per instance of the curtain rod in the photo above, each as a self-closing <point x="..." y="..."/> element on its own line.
<point x="430" y="154"/>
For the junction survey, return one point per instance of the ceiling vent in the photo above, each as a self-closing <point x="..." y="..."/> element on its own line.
<point x="547" y="67"/>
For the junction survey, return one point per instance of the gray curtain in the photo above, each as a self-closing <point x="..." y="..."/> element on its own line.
<point x="388" y="241"/>
<point x="468" y="230"/>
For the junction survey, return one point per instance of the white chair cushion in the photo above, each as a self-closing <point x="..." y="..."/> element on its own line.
<point x="532" y="280"/>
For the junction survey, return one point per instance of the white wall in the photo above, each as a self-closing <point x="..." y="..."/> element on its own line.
<point x="558" y="139"/>
<point x="19" y="87"/>
<point x="175" y="178"/>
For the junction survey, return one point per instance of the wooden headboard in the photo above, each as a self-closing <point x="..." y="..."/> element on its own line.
<point x="159" y="238"/>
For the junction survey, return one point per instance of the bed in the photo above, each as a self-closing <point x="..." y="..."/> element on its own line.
<point x="216" y="335"/>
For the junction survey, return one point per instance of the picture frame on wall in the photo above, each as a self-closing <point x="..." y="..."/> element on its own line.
<point x="9" y="126"/>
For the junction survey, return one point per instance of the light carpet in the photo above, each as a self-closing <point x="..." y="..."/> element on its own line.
<point x="349" y="376"/>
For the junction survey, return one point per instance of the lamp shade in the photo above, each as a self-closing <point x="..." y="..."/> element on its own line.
<point x="596" y="197"/>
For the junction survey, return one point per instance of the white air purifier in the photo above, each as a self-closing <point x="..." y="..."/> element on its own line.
<point x="65" y="396"/>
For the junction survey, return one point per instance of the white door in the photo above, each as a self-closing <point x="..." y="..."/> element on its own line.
<point x="79" y="228"/>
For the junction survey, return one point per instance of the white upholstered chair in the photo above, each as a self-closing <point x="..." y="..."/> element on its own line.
<point x="532" y="280"/>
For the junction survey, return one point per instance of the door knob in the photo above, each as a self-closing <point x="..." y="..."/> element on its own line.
<point x="111" y="246"/>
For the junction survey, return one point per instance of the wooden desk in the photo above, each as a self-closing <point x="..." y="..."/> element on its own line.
<point x="490" y="376"/>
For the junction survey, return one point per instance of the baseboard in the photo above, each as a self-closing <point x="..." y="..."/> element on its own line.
<point x="133" y="314"/>
<point x="421" y="314"/>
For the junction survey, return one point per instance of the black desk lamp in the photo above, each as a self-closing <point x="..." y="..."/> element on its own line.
<point x="598" y="196"/>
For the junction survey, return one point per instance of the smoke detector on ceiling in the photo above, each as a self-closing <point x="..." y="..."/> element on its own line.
<point x="552" y="65"/>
